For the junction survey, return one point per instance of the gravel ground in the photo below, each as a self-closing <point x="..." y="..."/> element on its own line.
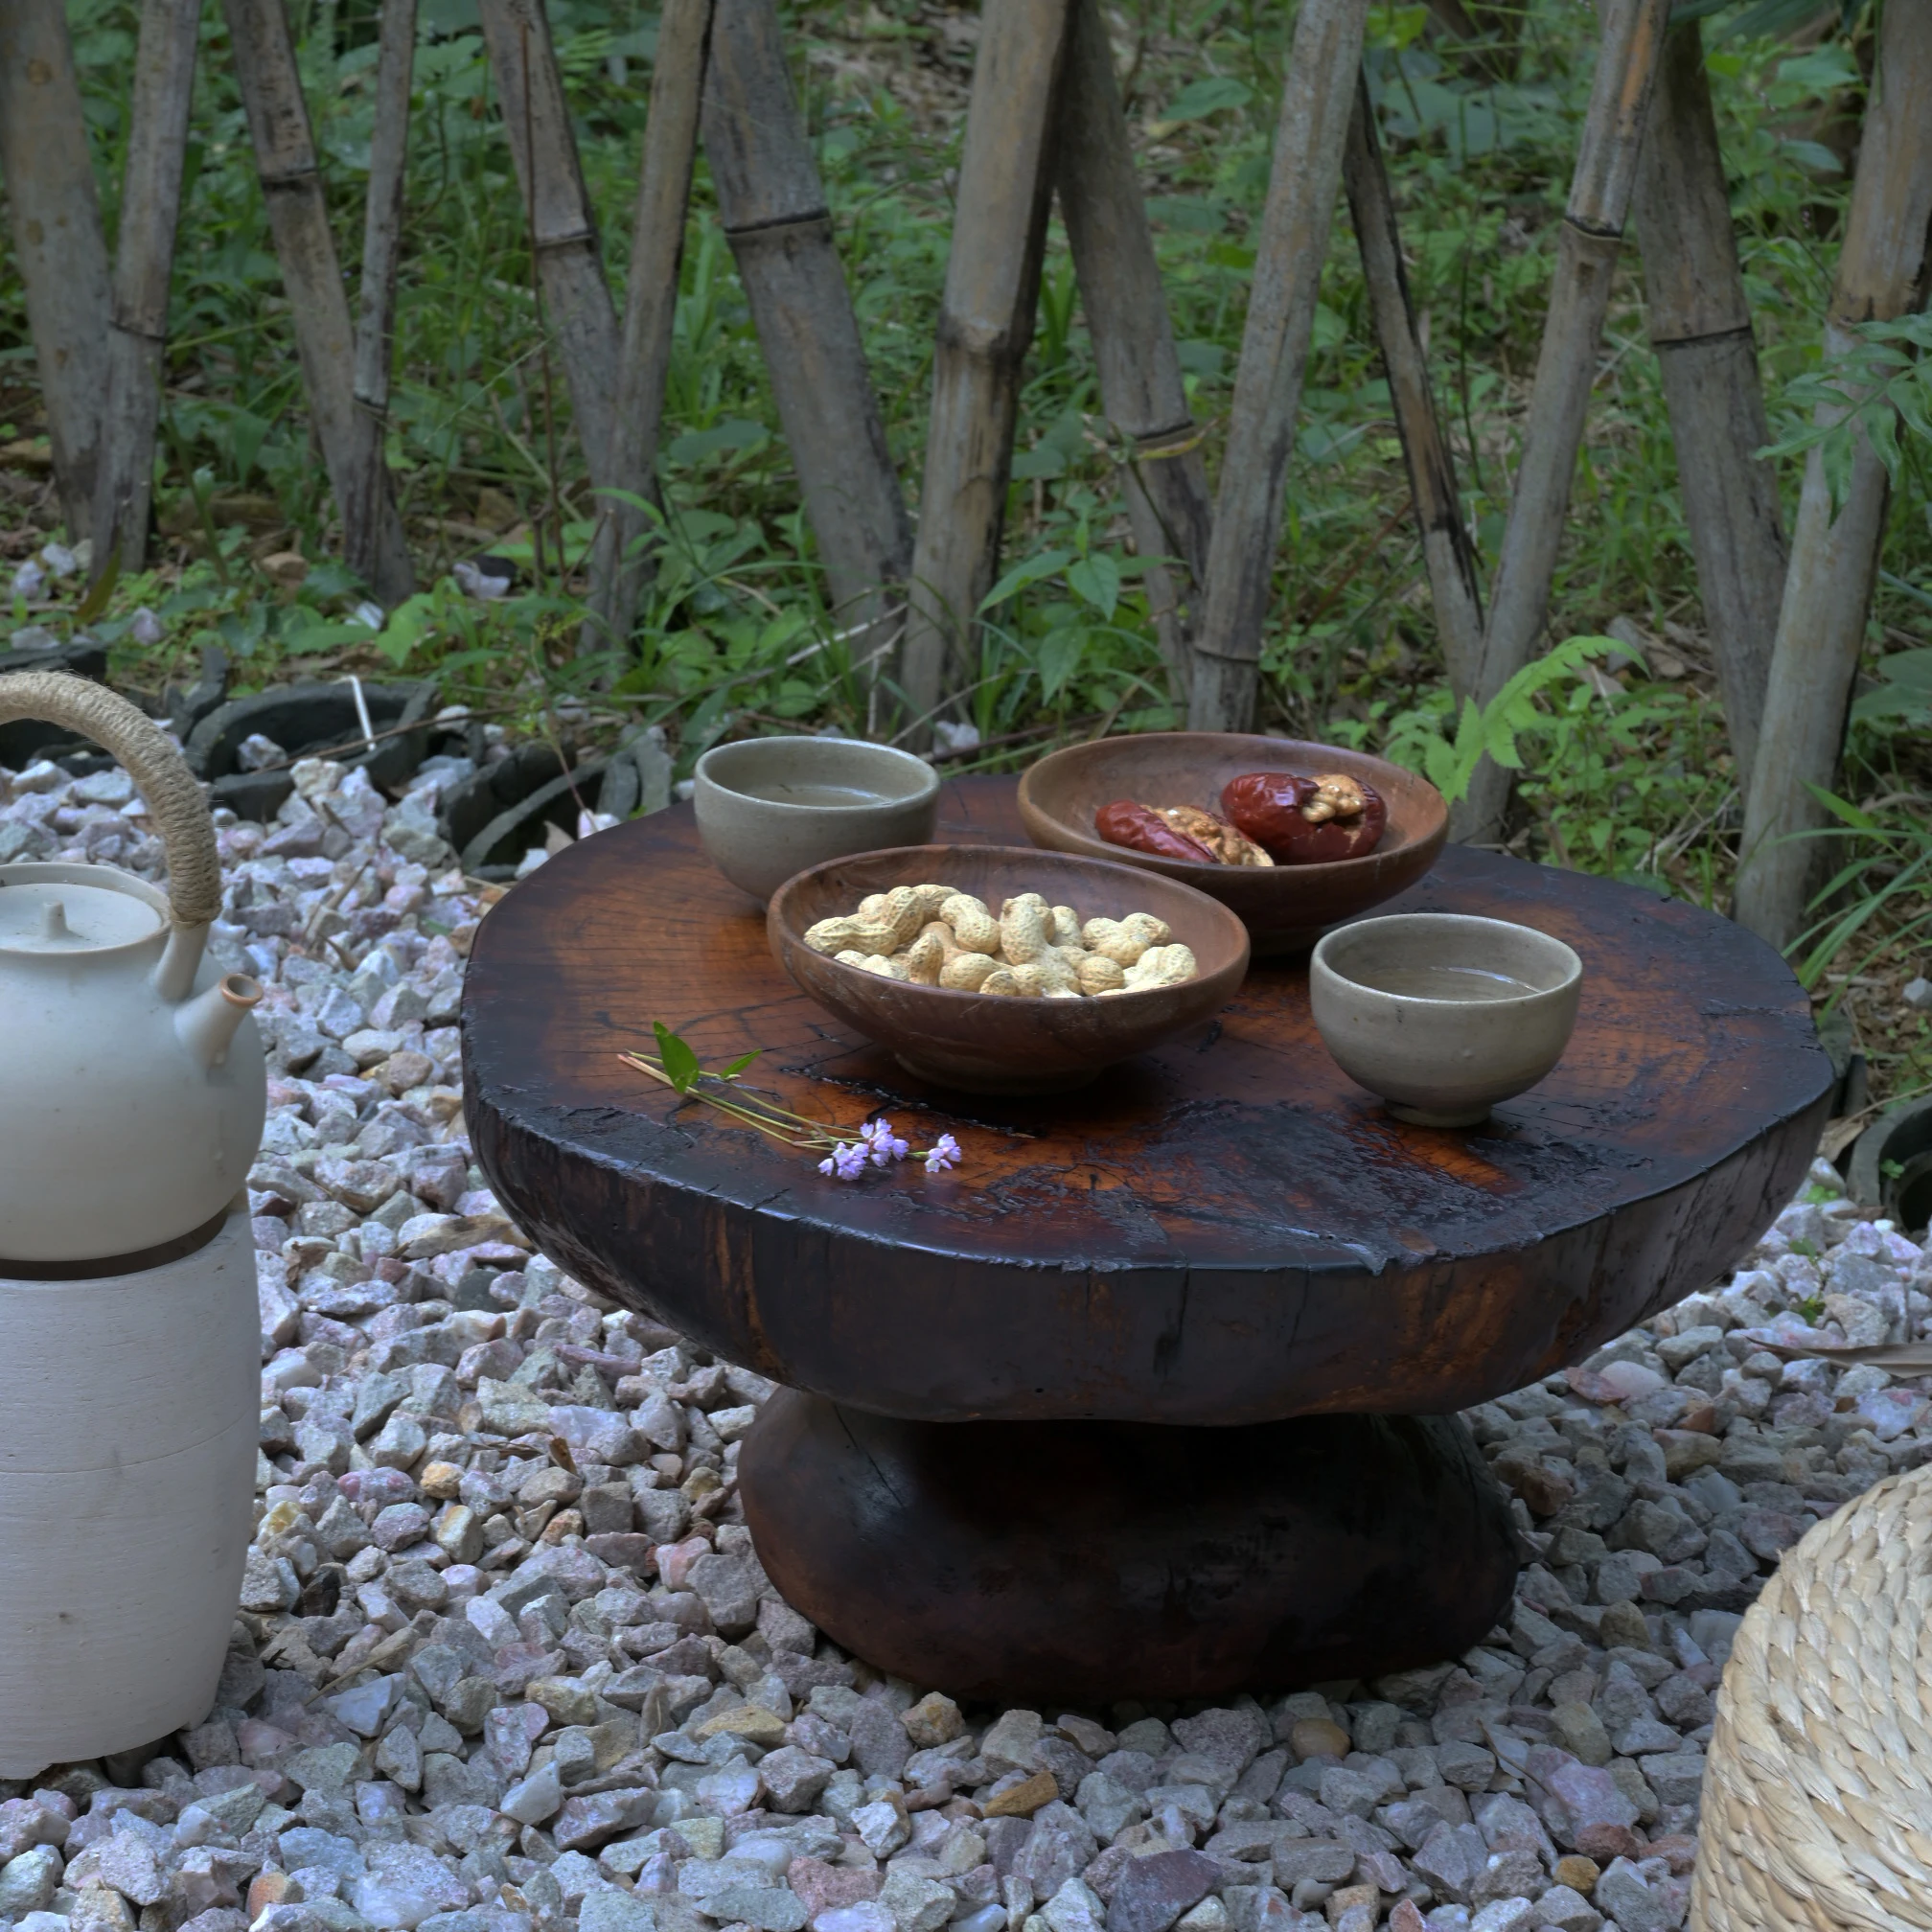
<point x="506" y="1659"/>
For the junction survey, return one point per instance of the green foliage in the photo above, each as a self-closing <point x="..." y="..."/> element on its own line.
<point x="1879" y="894"/>
<point x="1416" y="739"/>
<point x="1882" y="381"/>
<point x="1620" y="769"/>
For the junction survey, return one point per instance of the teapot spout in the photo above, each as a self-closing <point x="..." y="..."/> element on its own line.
<point x="175" y="973"/>
<point x="207" y="1024"/>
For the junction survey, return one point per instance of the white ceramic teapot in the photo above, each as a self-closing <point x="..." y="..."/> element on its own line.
<point x="131" y="1081"/>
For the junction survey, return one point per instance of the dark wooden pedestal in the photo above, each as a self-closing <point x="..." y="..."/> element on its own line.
<point x="1089" y="1561"/>
<point x="1160" y="1350"/>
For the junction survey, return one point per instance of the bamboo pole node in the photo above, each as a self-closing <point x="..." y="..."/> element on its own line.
<point x="777" y="224"/>
<point x="1743" y="332"/>
<point x="1154" y="448"/>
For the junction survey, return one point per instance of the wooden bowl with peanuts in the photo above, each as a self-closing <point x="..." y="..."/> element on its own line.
<point x="1001" y="969"/>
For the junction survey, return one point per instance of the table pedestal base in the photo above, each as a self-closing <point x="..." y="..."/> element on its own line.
<point x="1089" y="1561"/>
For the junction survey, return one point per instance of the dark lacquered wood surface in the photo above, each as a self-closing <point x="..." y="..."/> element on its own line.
<point x="1226" y="1231"/>
<point x="1087" y="1561"/>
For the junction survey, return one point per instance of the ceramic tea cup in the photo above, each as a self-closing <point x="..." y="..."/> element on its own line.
<point x="1443" y="1014"/>
<point x="769" y="807"/>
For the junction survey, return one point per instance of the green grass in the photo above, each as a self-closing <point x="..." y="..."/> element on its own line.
<point x="1628" y="776"/>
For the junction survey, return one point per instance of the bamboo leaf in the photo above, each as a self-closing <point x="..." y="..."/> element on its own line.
<point x="1843" y="809"/>
<point x="679" y="1062"/>
<point x="738" y="1064"/>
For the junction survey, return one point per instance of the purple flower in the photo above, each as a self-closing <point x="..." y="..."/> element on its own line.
<point x="847" y="1164"/>
<point x="944" y="1152"/>
<point x="882" y="1144"/>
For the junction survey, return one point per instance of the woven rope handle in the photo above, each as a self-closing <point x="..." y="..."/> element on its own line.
<point x="160" y="773"/>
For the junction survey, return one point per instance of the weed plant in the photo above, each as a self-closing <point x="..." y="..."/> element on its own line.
<point x="1626" y="764"/>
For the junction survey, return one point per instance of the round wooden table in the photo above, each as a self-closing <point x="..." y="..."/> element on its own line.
<point x="1154" y="1396"/>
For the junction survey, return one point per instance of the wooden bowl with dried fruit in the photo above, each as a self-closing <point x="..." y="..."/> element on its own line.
<point x="1002" y="970"/>
<point x="1292" y="838"/>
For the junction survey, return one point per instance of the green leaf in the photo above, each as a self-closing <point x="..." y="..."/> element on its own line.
<point x="1211" y="93"/>
<point x="738" y="1064"/>
<point x="1096" y="579"/>
<point x="1046" y="564"/>
<point x="680" y="1064"/>
<point x="322" y="636"/>
<point x="1843" y="809"/>
<point x="406" y="624"/>
<point x="1060" y="654"/>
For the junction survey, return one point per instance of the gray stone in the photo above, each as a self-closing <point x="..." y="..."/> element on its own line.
<point x="1312" y="1861"/>
<point x="326" y="1769"/>
<point x="1350" y="1792"/>
<point x="405" y="1885"/>
<point x="586" y="1823"/>
<point x="1075" y="1908"/>
<point x="614" y="1911"/>
<point x="793" y="1779"/>
<point x="535" y="1798"/>
<point x="1008" y="1745"/>
<point x="1676" y="1777"/>
<point x="1504" y="1915"/>
<point x="30" y="1880"/>
<point x="1566" y="1910"/>
<point x="1452" y="1858"/>
<point x="729" y="1588"/>
<point x="1107" y="1805"/>
<point x="1626" y="1895"/>
<point x="769" y="1908"/>
<point x="1152" y="1893"/>
<point x="916" y="1904"/>
<point x="127" y="1862"/>
<point x="880" y="1746"/>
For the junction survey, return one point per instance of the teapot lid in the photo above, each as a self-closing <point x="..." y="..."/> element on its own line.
<point x="73" y="915"/>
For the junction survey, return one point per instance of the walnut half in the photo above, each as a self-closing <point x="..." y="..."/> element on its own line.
<point x="1230" y="846"/>
<point x="1337" y="795"/>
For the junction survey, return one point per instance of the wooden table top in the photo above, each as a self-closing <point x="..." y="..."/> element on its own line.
<point x="1226" y="1231"/>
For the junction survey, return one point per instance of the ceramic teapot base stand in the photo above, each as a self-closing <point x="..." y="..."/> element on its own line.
<point x="127" y="1486"/>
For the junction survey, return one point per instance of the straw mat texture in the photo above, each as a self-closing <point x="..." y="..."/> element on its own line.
<point x="1817" y="1806"/>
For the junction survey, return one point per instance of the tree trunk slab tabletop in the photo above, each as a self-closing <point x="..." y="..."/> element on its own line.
<point x="1112" y="1410"/>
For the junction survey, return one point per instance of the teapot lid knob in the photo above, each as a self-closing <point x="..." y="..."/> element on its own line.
<point x="54" y="922"/>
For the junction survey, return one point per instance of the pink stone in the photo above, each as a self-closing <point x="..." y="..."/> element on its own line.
<point x="1631" y="1379"/>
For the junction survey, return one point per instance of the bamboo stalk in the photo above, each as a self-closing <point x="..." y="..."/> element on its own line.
<point x="382" y="235"/>
<point x="619" y="565"/>
<point x="1302" y="192"/>
<point x="985" y="324"/>
<point x="1565" y="368"/>
<point x="1126" y="308"/>
<point x="1883" y="272"/>
<point x="773" y="207"/>
<point x="55" y="216"/>
<point x="143" y="261"/>
<point x="298" y="218"/>
<point x="577" y="303"/>
<point x="1700" y="327"/>
<point x="1447" y="552"/>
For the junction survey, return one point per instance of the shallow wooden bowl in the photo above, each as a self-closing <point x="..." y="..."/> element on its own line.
<point x="1285" y="908"/>
<point x="989" y="1045"/>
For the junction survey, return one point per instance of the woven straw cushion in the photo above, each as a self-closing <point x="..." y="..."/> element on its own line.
<point x="1818" y="1793"/>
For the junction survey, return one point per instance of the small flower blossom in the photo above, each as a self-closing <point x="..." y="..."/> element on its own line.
<point x="843" y="1162"/>
<point x="882" y="1144"/>
<point x="944" y="1152"/>
<point x="29" y="580"/>
<point x="59" y="559"/>
<point x="144" y="629"/>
